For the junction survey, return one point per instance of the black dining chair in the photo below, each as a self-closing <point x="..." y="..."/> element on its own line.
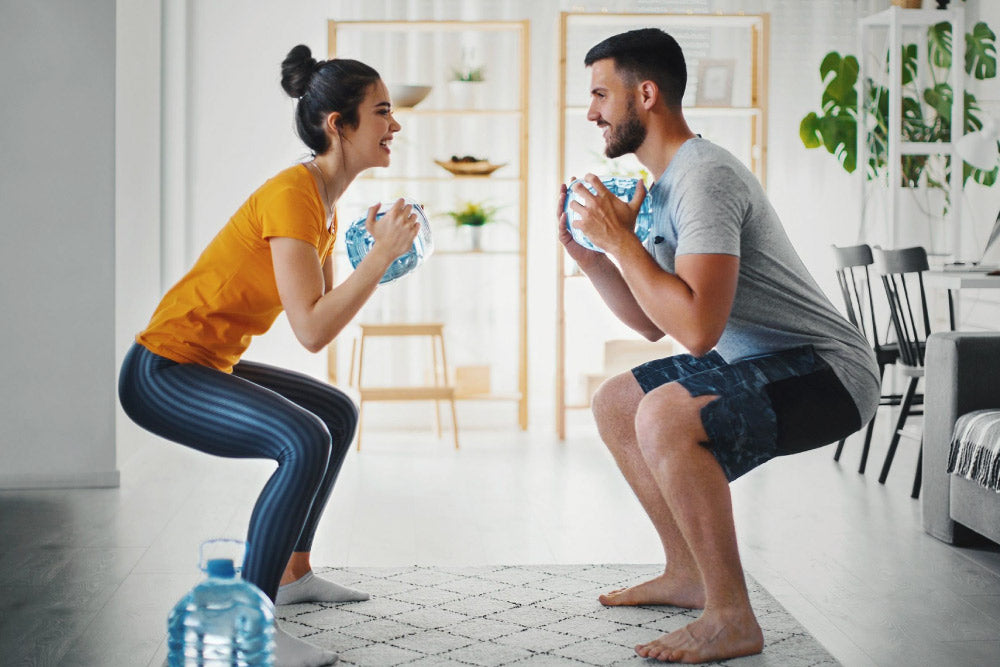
<point x="902" y="277"/>
<point x="853" y="275"/>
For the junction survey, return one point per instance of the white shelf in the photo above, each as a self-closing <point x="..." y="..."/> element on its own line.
<point x="721" y="112"/>
<point x="883" y="33"/>
<point x="909" y="17"/>
<point x="435" y="179"/>
<point x="414" y="111"/>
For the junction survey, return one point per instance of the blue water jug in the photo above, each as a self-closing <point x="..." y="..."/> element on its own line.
<point x="222" y="622"/>
<point x="623" y="188"/>
<point x="359" y="242"/>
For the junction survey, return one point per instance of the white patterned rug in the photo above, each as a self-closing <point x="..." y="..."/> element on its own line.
<point x="516" y="615"/>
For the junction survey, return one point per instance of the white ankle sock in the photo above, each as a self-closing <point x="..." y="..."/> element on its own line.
<point x="311" y="588"/>
<point x="291" y="651"/>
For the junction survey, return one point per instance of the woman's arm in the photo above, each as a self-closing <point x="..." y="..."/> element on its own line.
<point x="328" y="274"/>
<point x="318" y="313"/>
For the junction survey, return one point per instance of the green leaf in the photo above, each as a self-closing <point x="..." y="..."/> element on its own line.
<point x="840" y="138"/>
<point x="972" y="122"/>
<point x="939" y="44"/>
<point x="840" y="90"/>
<point x="981" y="52"/>
<point x="908" y="62"/>
<point x="939" y="98"/>
<point x="809" y="131"/>
<point x="987" y="178"/>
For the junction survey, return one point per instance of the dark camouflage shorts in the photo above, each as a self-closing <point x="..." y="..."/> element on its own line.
<point x="768" y="405"/>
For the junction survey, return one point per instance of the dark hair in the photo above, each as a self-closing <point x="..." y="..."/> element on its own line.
<point x="646" y="54"/>
<point x="321" y="88"/>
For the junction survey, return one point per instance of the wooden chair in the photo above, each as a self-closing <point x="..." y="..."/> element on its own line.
<point x="902" y="277"/>
<point x="439" y="391"/>
<point x="853" y="275"/>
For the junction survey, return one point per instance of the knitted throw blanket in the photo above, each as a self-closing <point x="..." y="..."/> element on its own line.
<point x="975" y="448"/>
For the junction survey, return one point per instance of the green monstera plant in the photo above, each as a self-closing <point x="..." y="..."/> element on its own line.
<point x="926" y="110"/>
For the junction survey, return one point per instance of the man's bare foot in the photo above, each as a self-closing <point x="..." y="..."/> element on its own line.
<point x="707" y="639"/>
<point x="678" y="591"/>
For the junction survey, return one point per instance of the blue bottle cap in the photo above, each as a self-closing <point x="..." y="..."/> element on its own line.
<point x="221" y="567"/>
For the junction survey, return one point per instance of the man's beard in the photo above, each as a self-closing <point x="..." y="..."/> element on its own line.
<point x="627" y="136"/>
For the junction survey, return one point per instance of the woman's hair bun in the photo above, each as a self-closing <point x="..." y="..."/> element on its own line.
<point x="296" y="70"/>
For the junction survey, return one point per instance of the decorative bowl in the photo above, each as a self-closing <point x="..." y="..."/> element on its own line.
<point x="405" y="96"/>
<point x="477" y="168"/>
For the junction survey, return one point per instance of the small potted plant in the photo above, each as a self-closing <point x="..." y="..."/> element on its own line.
<point x="467" y="80"/>
<point x="468" y="75"/>
<point x="474" y="215"/>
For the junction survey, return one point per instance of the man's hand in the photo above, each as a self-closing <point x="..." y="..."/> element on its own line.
<point x="606" y="220"/>
<point x="584" y="257"/>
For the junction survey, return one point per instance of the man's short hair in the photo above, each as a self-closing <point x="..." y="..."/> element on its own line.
<point x="646" y="54"/>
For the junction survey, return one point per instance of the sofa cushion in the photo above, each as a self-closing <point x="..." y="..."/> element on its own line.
<point x="975" y="448"/>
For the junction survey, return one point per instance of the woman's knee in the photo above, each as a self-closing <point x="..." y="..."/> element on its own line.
<point x="307" y="446"/>
<point x="342" y="418"/>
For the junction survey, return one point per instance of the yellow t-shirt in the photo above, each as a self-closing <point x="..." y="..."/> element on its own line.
<point x="230" y="294"/>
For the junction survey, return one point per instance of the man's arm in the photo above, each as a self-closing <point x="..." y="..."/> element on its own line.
<point x="611" y="286"/>
<point x="607" y="279"/>
<point x="692" y="305"/>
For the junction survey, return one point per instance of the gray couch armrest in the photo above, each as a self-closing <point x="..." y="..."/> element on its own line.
<point x="962" y="374"/>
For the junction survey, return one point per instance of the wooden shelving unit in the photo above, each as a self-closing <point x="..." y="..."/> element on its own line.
<point x="425" y="52"/>
<point x="742" y="123"/>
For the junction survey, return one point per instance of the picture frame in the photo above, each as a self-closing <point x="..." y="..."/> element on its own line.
<point x="715" y="83"/>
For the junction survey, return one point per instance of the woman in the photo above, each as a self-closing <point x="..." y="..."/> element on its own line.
<point x="183" y="380"/>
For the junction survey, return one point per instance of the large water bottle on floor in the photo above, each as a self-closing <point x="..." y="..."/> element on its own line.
<point x="623" y="188"/>
<point x="359" y="243"/>
<point x="222" y="622"/>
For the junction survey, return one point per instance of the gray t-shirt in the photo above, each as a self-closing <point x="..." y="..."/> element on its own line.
<point x="708" y="202"/>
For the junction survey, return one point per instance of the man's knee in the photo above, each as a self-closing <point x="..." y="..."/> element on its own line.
<point x="669" y="418"/>
<point x="615" y="400"/>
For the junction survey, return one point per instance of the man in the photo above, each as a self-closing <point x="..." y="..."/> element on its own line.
<point x="774" y="369"/>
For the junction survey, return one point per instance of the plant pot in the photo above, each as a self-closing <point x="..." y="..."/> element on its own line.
<point x="475" y="237"/>
<point x="466" y="94"/>
<point x="907" y="4"/>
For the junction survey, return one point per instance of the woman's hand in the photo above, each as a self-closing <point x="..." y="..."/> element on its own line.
<point x="583" y="256"/>
<point x="393" y="232"/>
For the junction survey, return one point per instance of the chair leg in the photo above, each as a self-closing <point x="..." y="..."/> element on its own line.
<point x="871" y="426"/>
<point x="454" y="421"/>
<point x="904" y="411"/>
<point x="868" y="444"/>
<point x="915" y="493"/>
<point x="840" y="448"/>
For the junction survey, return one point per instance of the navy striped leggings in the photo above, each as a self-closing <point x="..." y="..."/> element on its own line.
<point x="258" y="412"/>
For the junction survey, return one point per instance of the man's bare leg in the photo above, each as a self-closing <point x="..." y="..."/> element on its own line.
<point x="614" y="406"/>
<point x="669" y="430"/>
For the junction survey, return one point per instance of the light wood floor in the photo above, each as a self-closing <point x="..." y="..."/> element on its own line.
<point x="88" y="576"/>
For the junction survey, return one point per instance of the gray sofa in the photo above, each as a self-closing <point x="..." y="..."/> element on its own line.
<point x="962" y="374"/>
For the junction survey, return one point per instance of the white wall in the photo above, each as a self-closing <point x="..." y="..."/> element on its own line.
<point x="57" y="256"/>
<point x="138" y="195"/>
